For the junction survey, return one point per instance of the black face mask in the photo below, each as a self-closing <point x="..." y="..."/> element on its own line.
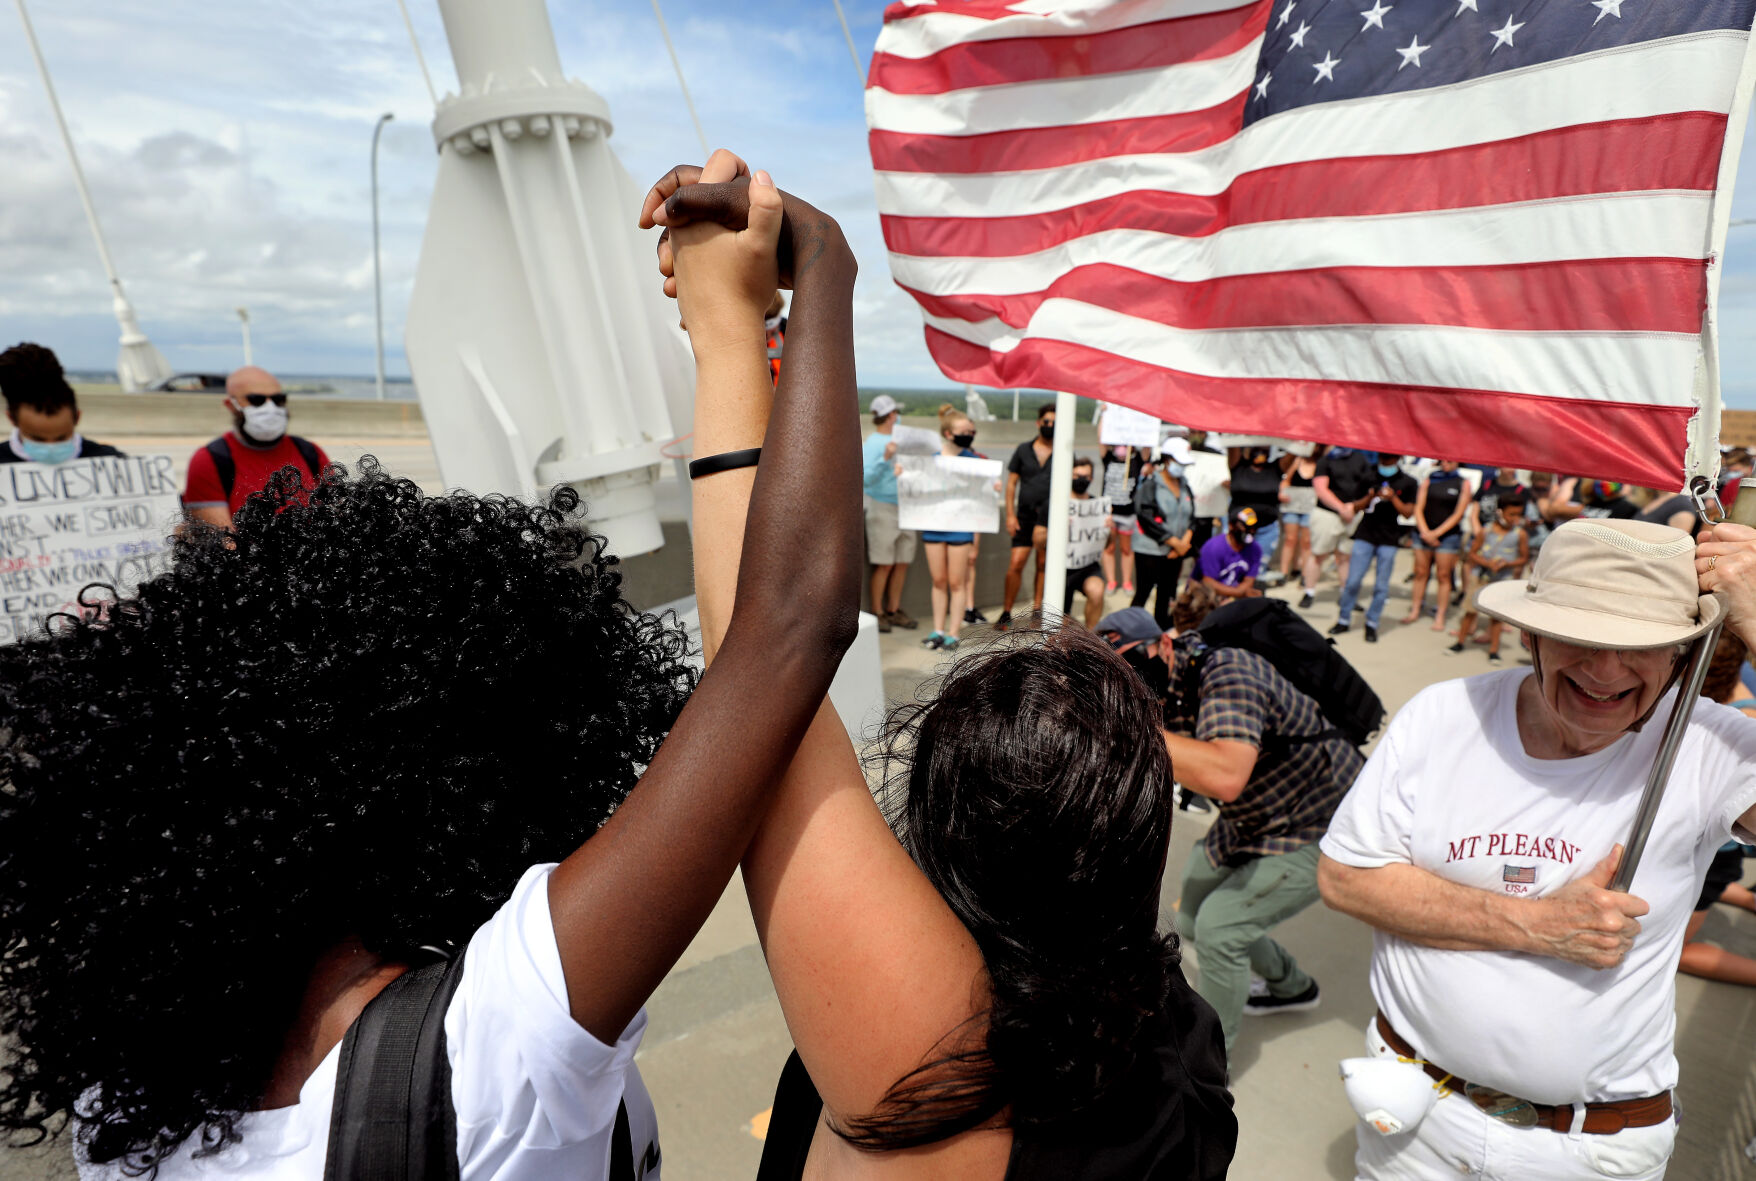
<point x="1081" y="483"/>
<point x="1047" y="431"/>
<point x="1150" y="669"/>
<point x="964" y="440"/>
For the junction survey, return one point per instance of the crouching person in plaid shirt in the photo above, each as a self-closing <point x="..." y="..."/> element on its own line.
<point x="1240" y="734"/>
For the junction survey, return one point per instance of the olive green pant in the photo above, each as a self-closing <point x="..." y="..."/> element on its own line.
<point x="1227" y="914"/>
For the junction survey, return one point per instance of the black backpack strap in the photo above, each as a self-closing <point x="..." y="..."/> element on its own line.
<point x="308" y="453"/>
<point x="224" y="465"/>
<point x="392" y="1118"/>
<point x="622" y="1148"/>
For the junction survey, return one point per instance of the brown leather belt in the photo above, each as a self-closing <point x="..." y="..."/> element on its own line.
<point x="1601" y="1119"/>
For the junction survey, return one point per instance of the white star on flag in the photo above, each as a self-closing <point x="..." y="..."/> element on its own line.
<point x="1286" y="14"/>
<point x="1262" y="86"/>
<point x="1607" y="8"/>
<point x="1299" y="35"/>
<point x="1463" y="4"/>
<point x="1375" y="14"/>
<point x="1413" y="52"/>
<point x="1325" y="69"/>
<point x="1503" y="36"/>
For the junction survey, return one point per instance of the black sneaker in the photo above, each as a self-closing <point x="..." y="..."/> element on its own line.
<point x="1307" y="600"/>
<point x="1004" y="623"/>
<point x="1371" y="635"/>
<point x="1340" y="629"/>
<point x="973" y="616"/>
<point x="1454" y="649"/>
<point x="1494" y="659"/>
<point x="1270" y="1005"/>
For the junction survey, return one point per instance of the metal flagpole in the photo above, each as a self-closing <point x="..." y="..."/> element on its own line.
<point x="377" y="269"/>
<point x="139" y="363"/>
<point x="419" y="56"/>
<point x="665" y="31"/>
<point x="1060" y="493"/>
<point x="859" y="70"/>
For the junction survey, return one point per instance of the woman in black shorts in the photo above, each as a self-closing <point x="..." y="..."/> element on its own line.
<point x="1122" y="468"/>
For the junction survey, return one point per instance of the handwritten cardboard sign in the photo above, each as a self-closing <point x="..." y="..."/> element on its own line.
<point x="66" y="526"/>
<point x="1087" y="531"/>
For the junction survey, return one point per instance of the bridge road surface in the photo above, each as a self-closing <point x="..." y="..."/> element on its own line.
<point x="717" y="1040"/>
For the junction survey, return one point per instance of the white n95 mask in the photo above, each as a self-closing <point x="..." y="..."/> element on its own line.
<point x="265" y="423"/>
<point x="1390" y="1095"/>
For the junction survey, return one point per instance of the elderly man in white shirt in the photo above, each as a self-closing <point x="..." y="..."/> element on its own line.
<point x="1480" y="840"/>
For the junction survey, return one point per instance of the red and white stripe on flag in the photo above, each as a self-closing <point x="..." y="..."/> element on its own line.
<point x="1422" y="228"/>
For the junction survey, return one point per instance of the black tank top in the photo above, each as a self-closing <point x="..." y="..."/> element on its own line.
<point x="1174" y="1124"/>
<point x="1300" y="479"/>
<point x="1443" y="493"/>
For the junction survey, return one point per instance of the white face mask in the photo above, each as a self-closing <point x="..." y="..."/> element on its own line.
<point x="265" y="423"/>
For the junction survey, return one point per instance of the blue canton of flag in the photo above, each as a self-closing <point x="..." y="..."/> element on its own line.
<point x="1318" y="51"/>
<point x="1520" y="875"/>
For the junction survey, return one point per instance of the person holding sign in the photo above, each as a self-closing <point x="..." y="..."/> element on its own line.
<point x="1086" y="532"/>
<point x="949" y="554"/>
<point x="42" y="409"/>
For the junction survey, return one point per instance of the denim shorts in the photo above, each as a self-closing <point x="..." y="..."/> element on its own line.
<point x="1450" y="543"/>
<point x="1303" y="520"/>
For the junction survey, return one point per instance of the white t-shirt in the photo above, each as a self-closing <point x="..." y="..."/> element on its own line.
<point x="535" y="1094"/>
<point x="1451" y="790"/>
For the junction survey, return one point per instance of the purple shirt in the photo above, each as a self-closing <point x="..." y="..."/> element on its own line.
<point x="1227" y="566"/>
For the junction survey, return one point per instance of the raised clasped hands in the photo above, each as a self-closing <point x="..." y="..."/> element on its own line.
<point x="718" y="252"/>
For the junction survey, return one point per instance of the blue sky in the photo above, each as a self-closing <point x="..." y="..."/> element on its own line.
<point x="227" y="146"/>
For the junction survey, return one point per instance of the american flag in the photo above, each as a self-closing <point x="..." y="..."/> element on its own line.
<point x="1469" y="229"/>
<point x="1520" y="874"/>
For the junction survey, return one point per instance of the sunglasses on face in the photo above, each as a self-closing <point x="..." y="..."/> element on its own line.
<point x="262" y="399"/>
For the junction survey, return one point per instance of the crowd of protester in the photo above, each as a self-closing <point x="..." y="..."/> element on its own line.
<point x="377" y="784"/>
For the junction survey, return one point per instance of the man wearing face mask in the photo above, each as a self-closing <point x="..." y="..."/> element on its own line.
<point x="1376" y="541"/>
<point x="238" y="464"/>
<point x="1241" y="734"/>
<point x="1027" y="500"/>
<point x="42" y="409"/>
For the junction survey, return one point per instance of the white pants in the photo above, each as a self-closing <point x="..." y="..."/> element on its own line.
<point x="1457" y="1140"/>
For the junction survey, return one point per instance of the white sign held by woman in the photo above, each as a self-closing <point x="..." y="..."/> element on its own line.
<point x="948" y="493"/>
<point x="65" y="526"/>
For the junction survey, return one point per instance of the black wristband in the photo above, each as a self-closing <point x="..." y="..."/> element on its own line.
<point x="725" y="461"/>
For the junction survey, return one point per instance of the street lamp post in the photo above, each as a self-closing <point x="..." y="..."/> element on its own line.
<point x="377" y="272"/>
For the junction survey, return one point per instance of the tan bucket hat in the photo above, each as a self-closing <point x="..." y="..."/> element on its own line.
<point x="1608" y="584"/>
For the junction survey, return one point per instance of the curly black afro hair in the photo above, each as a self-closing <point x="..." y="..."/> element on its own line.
<point x="363" y="713"/>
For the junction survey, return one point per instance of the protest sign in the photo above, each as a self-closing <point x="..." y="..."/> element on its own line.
<point x="1087" y="531"/>
<point x="1122" y="427"/>
<point x="948" y="494"/>
<point x="65" y="526"/>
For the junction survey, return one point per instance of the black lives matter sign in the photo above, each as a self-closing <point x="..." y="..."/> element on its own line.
<point x="66" y="526"/>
